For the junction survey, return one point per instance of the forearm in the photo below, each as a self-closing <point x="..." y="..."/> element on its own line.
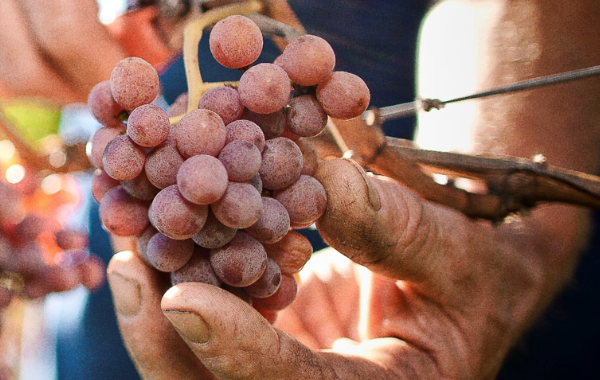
<point x="518" y="40"/>
<point x="526" y="39"/>
<point x="562" y="122"/>
<point x="78" y="44"/>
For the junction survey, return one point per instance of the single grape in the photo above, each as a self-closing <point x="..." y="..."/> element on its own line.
<point x="256" y="182"/>
<point x="236" y="41"/>
<point x="343" y="95"/>
<point x="291" y="252"/>
<point x="279" y="61"/>
<point x="214" y="234"/>
<point x="240" y="262"/>
<point x="273" y="224"/>
<point x="179" y="106"/>
<point x="305" y="201"/>
<point x="289" y="135"/>
<point x="283" y="297"/>
<point x="268" y="283"/>
<point x="200" y="132"/>
<point x="140" y="187"/>
<point x="272" y="124"/>
<point x="238" y="292"/>
<point x="197" y="269"/>
<point x="308" y="60"/>
<point x="123" y="159"/>
<point x="174" y="216"/>
<point x="121" y="214"/>
<point x="148" y="125"/>
<point x="223" y="100"/>
<point x="92" y="273"/>
<point x="163" y="163"/>
<point x="270" y="315"/>
<point x="264" y="88"/>
<point x="72" y="239"/>
<point x="134" y="82"/>
<point x="281" y="163"/>
<point x="30" y="227"/>
<point x="103" y="106"/>
<point x="166" y="254"/>
<point x="101" y="183"/>
<point x="142" y="242"/>
<point x="97" y="143"/>
<point x="245" y="130"/>
<point x="239" y="207"/>
<point x="241" y="159"/>
<point x="305" y="116"/>
<point x="310" y="159"/>
<point x="202" y="179"/>
<point x="70" y="258"/>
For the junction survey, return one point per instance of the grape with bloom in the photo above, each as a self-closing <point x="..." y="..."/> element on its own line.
<point x="217" y="199"/>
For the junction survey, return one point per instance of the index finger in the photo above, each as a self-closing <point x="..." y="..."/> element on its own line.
<point x="384" y="226"/>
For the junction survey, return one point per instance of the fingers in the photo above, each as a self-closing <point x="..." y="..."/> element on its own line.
<point x="382" y="225"/>
<point x="154" y="346"/>
<point x="23" y="69"/>
<point x="78" y="45"/>
<point x="326" y="307"/>
<point x="234" y="342"/>
<point x="142" y="34"/>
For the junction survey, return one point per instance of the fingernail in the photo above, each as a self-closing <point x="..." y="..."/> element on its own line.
<point x="190" y="325"/>
<point x="126" y="294"/>
<point x="372" y="194"/>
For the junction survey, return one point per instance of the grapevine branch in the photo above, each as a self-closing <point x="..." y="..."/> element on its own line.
<point x="513" y="184"/>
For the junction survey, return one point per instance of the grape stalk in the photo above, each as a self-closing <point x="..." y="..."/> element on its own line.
<point x="215" y="190"/>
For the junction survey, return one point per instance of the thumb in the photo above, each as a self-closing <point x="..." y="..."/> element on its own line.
<point x="384" y="226"/>
<point x="154" y="346"/>
<point x="233" y="340"/>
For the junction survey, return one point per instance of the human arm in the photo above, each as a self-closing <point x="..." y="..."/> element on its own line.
<point x="468" y="289"/>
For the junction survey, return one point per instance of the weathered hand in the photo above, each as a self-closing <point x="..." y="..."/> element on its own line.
<point x="444" y="297"/>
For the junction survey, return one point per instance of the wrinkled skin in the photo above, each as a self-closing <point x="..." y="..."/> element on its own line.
<point x="440" y="295"/>
<point x="453" y="315"/>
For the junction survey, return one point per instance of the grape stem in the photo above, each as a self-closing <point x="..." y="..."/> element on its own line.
<point x="512" y="184"/>
<point x="192" y="33"/>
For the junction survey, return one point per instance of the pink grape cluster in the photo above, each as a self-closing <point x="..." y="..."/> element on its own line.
<point x="217" y="197"/>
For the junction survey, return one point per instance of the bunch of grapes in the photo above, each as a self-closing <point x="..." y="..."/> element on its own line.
<point x="218" y="197"/>
<point x="39" y="252"/>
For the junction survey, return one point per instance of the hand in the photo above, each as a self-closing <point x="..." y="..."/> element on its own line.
<point x="57" y="50"/>
<point x="60" y="50"/>
<point x="443" y="296"/>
